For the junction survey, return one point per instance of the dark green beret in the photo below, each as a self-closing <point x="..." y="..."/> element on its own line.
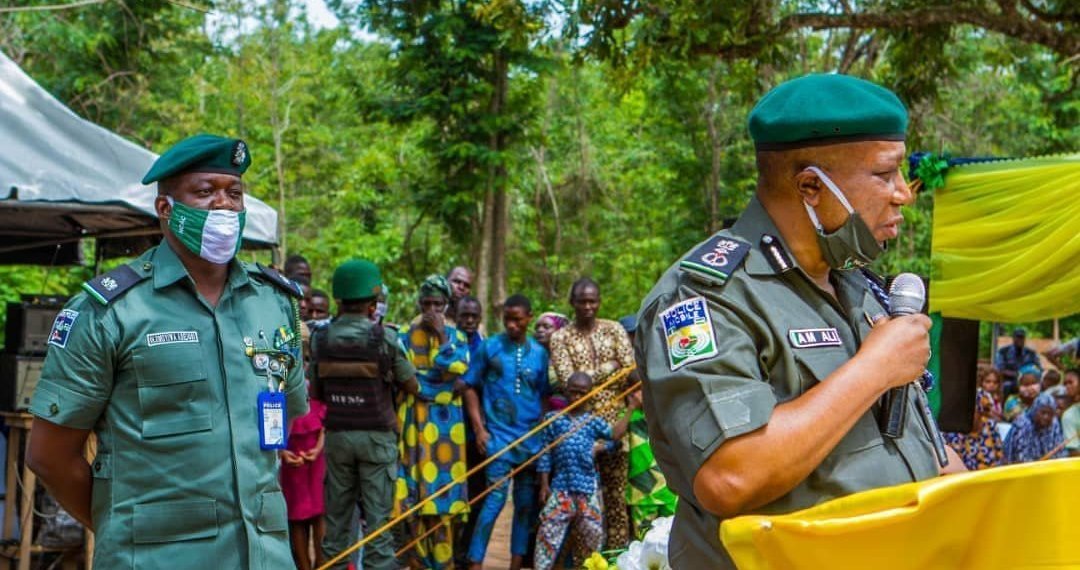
<point x="201" y="153"/>
<point x="357" y="279"/>
<point x="826" y="109"/>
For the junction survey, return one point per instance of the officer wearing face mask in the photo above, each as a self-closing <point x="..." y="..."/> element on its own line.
<point x="186" y="364"/>
<point x="768" y="341"/>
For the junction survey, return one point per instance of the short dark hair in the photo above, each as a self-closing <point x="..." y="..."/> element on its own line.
<point x="518" y="300"/>
<point x="319" y="293"/>
<point x="582" y="283"/>
<point x="580" y="375"/>
<point x="293" y="260"/>
<point x="469" y="299"/>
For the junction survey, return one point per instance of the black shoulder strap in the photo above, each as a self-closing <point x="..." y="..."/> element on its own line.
<point x="284" y="283"/>
<point x="108" y="286"/>
<point x="716" y="258"/>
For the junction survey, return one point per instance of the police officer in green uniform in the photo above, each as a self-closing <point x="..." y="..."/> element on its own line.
<point x="185" y="362"/>
<point x="357" y="366"/>
<point x="768" y="342"/>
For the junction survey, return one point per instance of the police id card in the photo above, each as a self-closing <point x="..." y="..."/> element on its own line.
<point x="272" y="430"/>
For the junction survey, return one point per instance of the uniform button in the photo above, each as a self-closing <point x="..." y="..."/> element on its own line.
<point x="97" y="466"/>
<point x="147" y="266"/>
<point x="54" y="409"/>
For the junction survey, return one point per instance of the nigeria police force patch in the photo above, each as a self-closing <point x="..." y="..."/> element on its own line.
<point x="689" y="332"/>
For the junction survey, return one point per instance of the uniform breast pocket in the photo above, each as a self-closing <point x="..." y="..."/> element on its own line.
<point x="816" y="364"/>
<point x="174" y="395"/>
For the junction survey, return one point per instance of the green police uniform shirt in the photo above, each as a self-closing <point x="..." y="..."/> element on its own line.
<point x="179" y="480"/>
<point x="729" y="332"/>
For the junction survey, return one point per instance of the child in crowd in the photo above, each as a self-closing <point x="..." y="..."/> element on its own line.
<point x="1051" y="383"/>
<point x="303" y="467"/>
<point x="1018" y="403"/>
<point x="571" y="496"/>
<point x="990" y="382"/>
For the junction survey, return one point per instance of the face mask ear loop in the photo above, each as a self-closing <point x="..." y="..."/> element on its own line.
<point x="832" y="187"/>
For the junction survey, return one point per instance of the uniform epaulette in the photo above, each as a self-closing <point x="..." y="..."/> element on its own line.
<point x="716" y="258"/>
<point x="284" y="283"/>
<point x="108" y="286"/>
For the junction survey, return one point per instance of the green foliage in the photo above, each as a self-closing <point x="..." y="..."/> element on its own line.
<point x="616" y="129"/>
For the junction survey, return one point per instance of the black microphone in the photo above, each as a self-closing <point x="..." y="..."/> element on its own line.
<point x="907" y="294"/>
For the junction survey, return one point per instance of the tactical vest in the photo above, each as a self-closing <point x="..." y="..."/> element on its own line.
<point x="353" y="380"/>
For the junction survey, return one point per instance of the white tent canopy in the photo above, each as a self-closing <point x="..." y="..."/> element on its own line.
<point x="63" y="178"/>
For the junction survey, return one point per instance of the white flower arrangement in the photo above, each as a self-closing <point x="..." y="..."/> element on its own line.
<point x="650" y="553"/>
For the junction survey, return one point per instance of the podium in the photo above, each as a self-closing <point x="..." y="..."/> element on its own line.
<point x="21" y="480"/>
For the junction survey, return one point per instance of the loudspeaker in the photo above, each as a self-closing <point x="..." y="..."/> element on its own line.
<point x="19" y="375"/>
<point x="958" y="348"/>
<point x="29" y="323"/>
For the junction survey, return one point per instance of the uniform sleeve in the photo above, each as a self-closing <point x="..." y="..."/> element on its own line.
<point x="400" y="365"/>
<point x="474" y="376"/>
<point x="561" y="365"/>
<point x="698" y="399"/>
<point x="77" y="376"/>
<point x="296" y="396"/>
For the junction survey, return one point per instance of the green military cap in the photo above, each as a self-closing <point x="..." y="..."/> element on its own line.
<point x="826" y="109"/>
<point x="201" y="153"/>
<point x="357" y="279"/>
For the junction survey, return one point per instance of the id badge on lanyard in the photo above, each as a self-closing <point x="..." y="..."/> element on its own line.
<point x="272" y="421"/>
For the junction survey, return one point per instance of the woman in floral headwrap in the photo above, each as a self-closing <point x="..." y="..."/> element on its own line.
<point x="1036" y="433"/>
<point x="432" y="440"/>
<point x="981" y="448"/>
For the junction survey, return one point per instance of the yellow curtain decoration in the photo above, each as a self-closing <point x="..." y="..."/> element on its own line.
<point x="1008" y="518"/>
<point x="1006" y="240"/>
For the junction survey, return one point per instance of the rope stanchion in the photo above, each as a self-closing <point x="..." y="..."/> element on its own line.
<point x="615" y="377"/>
<point x="525" y="464"/>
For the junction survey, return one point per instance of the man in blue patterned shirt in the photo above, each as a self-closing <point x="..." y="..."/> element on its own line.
<point x="511" y="370"/>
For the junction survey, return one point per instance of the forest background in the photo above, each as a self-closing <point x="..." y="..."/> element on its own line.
<point x="534" y="141"/>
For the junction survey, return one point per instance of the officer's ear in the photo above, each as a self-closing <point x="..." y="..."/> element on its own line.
<point x="809" y="186"/>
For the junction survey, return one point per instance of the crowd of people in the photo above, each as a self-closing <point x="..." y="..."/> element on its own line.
<point x="1022" y="412"/>
<point x="452" y="396"/>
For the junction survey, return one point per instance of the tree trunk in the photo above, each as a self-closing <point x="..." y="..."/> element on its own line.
<point x="712" y="190"/>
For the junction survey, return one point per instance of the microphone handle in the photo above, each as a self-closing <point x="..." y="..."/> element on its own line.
<point x="892" y="420"/>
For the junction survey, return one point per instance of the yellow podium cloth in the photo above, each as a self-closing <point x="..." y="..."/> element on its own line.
<point x="1007" y="518"/>
<point x="1005" y="245"/>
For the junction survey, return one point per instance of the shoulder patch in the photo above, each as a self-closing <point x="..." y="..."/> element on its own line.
<point x="62" y="327"/>
<point x="689" y="332"/>
<point x="717" y="258"/>
<point x="108" y="286"/>
<point x="284" y="283"/>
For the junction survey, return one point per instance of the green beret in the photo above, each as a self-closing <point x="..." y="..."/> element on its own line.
<point x="201" y="153"/>
<point x="826" y="109"/>
<point x="357" y="279"/>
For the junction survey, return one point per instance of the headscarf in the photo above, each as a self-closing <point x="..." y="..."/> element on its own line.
<point x="435" y="285"/>
<point x="1027" y="442"/>
<point x="1028" y="369"/>
<point x="559" y="320"/>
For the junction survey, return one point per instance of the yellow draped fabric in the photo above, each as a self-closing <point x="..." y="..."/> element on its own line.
<point x="1006" y="518"/>
<point x="1006" y="240"/>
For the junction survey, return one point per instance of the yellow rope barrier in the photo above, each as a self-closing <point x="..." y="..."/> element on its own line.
<point x="615" y="377"/>
<point x="490" y="489"/>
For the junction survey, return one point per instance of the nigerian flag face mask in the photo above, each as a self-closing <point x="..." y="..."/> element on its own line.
<point x="213" y="235"/>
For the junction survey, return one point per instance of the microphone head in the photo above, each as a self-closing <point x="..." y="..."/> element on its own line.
<point x="907" y="294"/>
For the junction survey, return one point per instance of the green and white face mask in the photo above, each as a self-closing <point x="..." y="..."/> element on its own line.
<point x="213" y="235"/>
<point x="853" y="244"/>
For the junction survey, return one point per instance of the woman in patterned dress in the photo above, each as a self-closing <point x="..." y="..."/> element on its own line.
<point x="598" y="347"/>
<point x="981" y="448"/>
<point x="432" y="440"/>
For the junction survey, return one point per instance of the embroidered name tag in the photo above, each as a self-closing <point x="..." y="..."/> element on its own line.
<point x="154" y="339"/>
<point x="689" y="332"/>
<point x="61" y="327"/>
<point x="810" y="338"/>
